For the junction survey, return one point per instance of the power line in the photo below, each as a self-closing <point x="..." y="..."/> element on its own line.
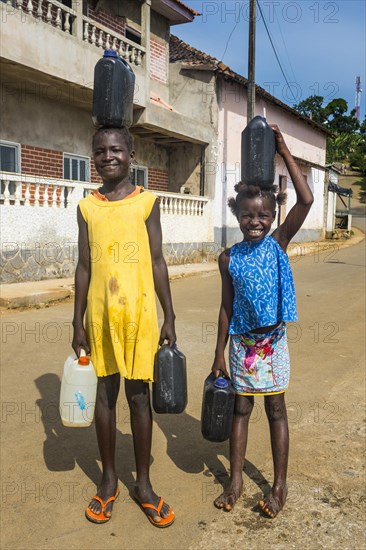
<point x="228" y="40"/>
<point x="284" y="45"/>
<point x="274" y="49"/>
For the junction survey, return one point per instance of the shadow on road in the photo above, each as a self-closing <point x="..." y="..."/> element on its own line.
<point x="191" y="453"/>
<point x="65" y="447"/>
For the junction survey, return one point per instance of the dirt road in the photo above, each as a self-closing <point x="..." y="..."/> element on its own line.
<point x="49" y="472"/>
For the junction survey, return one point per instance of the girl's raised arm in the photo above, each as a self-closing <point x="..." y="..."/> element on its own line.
<point x="304" y="197"/>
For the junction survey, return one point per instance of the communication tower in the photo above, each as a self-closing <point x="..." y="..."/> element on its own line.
<point x="358" y="97"/>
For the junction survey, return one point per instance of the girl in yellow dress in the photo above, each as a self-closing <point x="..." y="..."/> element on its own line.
<point x="120" y="267"/>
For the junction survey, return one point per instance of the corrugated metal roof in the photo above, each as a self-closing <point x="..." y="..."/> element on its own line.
<point x="182" y="52"/>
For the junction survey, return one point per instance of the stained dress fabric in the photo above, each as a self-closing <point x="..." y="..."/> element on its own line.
<point x="121" y="318"/>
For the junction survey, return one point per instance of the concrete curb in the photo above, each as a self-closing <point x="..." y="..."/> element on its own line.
<point x="35" y="293"/>
<point x="316" y="247"/>
<point x="39" y="293"/>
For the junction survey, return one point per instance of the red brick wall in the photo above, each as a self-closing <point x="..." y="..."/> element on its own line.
<point x="94" y="176"/>
<point x="158" y="179"/>
<point x="46" y="162"/>
<point x="158" y="63"/>
<point x="41" y="162"/>
<point x="113" y="22"/>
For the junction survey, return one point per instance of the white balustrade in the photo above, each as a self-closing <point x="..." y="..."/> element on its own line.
<point x="45" y="195"/>
<point x="58" y="18"/>
<point x="109" y="39"/>
<point x="17" y="194"/>
<point x="67" y="25"/>
<point x="49" y="13"/>
<point x="27" y="194"/>
<point x="62" y="17"/>
<point x="58" y="15"/>
<point x="39" y="10"/>
<point x="34" y="191"/>
<point x="93" y="37"/>
<point x="36" y="195"/>
<point x="6" y="193"/>
<point x="181" y="205"/>
<point x="100" y="39"/>
<point x="86" y="32"/>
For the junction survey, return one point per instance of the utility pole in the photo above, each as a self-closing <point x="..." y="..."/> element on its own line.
<point x="251" y="62"/>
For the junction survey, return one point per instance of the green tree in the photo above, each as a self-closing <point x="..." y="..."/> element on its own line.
<point x="336" y="107"/>
<point x="363" y="127"/>
<point x="346" y="129"/>
<point x="312" y="107"/>
<point x="338" y="121"/>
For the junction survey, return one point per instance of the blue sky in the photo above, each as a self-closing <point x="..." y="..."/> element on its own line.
<point x="321" y="44"/>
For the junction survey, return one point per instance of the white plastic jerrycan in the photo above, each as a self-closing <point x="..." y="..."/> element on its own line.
<point x="78" y="391"/>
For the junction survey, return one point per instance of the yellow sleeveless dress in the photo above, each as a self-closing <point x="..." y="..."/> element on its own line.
<point x="121" y="318"/>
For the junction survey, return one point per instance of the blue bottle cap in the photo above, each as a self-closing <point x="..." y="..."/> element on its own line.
<point x="110" y="53"/>
<point x="221" y="382"/>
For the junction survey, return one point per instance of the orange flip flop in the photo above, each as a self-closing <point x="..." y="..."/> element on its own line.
<point x="101" y="517"/>
<point x="164" y="522"/>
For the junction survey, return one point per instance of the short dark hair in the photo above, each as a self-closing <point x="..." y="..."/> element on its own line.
<point x="245" y="191"/>
<point x="123" y="131"/>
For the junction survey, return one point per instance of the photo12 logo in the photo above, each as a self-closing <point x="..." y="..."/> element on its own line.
<point x="270" y="11"/>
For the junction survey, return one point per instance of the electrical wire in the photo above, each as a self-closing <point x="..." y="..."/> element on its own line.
<point x="274" y="49"/>
<point x="228" y="40"/>
<point x="284" y="45"/>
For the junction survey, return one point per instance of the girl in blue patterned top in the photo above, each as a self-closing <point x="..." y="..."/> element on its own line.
<point x="258" y="298"/>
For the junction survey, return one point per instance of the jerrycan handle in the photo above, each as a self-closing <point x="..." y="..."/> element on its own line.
<point x="83" y="359"/>
<point x="174" y="346"/>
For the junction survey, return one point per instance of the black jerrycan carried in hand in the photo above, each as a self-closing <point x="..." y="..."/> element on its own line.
<point x="217" y="408"/>
<point x="114" y="86"/>
<point x="258" y="149"/>
<point x="169" y="389"/>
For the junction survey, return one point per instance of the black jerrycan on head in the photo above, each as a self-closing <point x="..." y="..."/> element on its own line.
<point x="114" y="85"/>
<point x="217" y="408"/>
<point x="258" y="149"/>
<point x="169" y="389"/>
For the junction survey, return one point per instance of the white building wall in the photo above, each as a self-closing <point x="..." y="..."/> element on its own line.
<point x="312" y="228"/>
<point x="303" y="141"/>
<point x="39" y="242"/>
<point x="332" y="202"/>
<point x="36" y="225"/>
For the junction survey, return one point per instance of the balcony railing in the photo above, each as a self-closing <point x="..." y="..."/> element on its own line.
<point x="98" y="35"/>
<point x="34" y="191"/>
<point x="181" y="205"/>
<point x="30" y="190"/>
<point x="64" y="18"/>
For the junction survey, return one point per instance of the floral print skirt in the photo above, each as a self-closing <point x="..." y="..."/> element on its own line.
<point x="260" y="363"/>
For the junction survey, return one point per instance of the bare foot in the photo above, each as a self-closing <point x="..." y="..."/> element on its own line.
<point x="229" y="497"/>
<point x="107" y="489"/>
<point x="275" y="501"/>
<point x="145" y="495"/>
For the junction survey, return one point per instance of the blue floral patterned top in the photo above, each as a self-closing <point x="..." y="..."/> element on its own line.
<point x="264" y="291"/>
